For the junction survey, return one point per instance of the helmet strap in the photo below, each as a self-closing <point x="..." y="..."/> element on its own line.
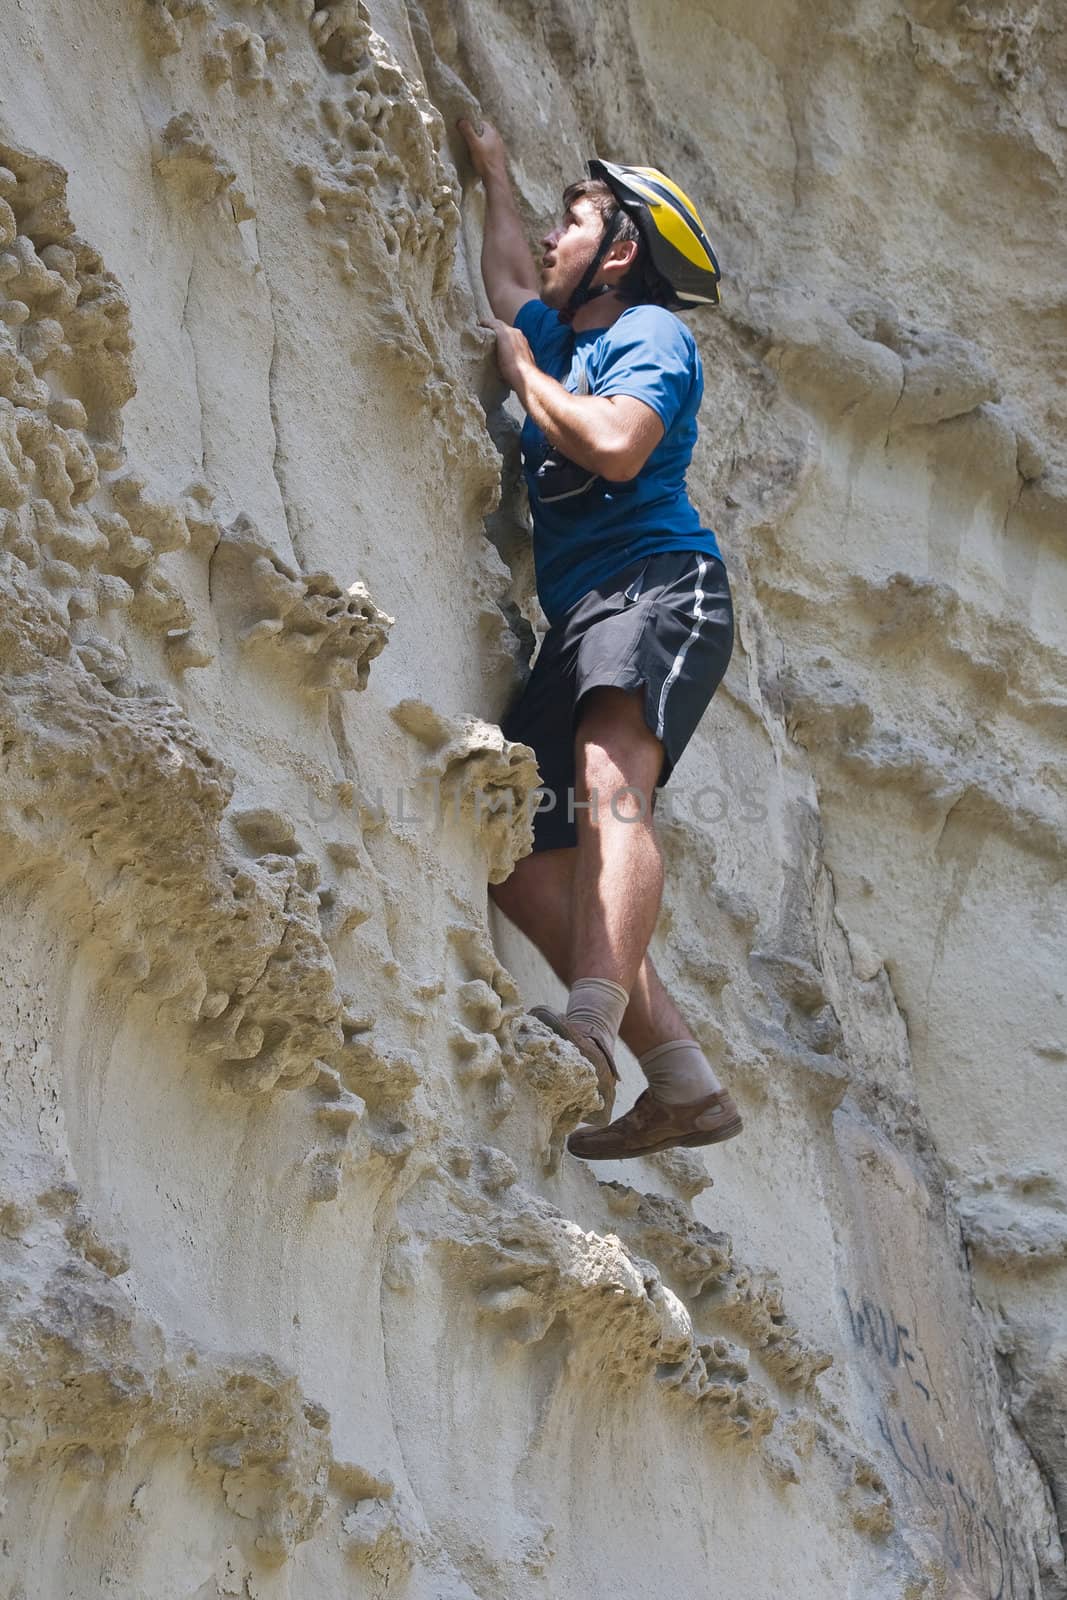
<point x="582" y="294"/>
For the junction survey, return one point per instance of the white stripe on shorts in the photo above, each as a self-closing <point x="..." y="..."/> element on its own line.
<point x="676" y="664"/>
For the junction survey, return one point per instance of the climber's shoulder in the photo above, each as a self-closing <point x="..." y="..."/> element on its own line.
<point x="656" y="324"/>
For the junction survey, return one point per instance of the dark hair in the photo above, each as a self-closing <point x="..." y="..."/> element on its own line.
<point x="642" y="284"/>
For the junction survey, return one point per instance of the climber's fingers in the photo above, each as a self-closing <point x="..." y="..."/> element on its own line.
<point x="484" y="143"/>
<point x="513" y="351"/>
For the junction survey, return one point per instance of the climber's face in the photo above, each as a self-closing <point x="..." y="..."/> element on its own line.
<point x="568" y="250"/>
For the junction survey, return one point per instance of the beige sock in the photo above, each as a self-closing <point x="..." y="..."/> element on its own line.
<point x="678" y="1071"/>
<point x="599" y="1005"/>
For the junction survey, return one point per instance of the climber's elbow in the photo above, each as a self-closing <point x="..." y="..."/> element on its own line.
<point x="621" y="461"/>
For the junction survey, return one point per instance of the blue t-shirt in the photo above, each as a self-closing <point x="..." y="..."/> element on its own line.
<point x="580" y="541"/>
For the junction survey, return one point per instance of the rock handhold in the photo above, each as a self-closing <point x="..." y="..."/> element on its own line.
<point x="480" y="775"/>
<point x="192" y="161"/>
<point x="332" y="633"/>
<point x="1014" y="1221"/>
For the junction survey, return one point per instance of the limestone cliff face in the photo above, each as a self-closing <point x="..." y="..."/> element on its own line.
<point x="300" y="1296"/>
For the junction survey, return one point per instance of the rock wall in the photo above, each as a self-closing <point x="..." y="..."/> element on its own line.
<point x="301" y="1296"/>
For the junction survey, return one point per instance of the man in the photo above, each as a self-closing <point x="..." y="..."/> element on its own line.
<point x="638" y="602"/>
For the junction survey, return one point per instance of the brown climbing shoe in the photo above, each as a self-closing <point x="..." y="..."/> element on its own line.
<point x="607" y="1074"/>
<point x="652" y="1125"/>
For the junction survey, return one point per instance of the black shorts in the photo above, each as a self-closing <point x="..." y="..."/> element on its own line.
<point x="665" y="624"/>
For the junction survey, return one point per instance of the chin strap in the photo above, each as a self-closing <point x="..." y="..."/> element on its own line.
<point x="583" y="293"/>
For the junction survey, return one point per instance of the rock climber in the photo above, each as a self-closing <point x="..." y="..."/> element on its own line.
<point x="638" y="604"/>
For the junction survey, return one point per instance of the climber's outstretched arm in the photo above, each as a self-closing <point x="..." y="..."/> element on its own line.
<point x="508" y="269"/>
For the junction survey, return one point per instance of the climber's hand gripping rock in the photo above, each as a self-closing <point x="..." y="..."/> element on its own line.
<point x="513" y="353"/>
<point x="486" y="147"/>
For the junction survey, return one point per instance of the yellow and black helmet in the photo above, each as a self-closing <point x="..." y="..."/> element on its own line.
<point x="671" y="228"/>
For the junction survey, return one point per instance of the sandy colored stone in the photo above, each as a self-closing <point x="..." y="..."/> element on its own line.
<point x="266" y="584"/>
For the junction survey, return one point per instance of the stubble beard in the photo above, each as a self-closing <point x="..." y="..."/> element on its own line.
<point x="557" y="295"/>
<point x="551" y="294"/>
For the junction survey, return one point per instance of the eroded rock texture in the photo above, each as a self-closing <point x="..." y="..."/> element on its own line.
<point x="266" y="592"/>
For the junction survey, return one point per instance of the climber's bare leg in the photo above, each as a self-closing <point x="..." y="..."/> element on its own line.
<point x="618" y="874"/>
<point x="537" y="899"/>
<point x="651" y="1017"/>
